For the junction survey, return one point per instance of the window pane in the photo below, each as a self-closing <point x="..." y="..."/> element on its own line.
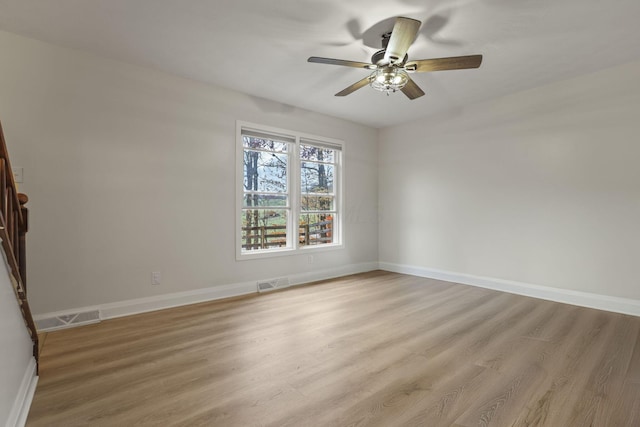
<point x="264" y="229"/>
<point x="309" y="152"/>
<point x="264" y="144"/>
<point x="265" y="171"/>
<point x="317" y="203"/>
<point x="315" y="229"/>
<point x="264" y="200"/>
<point x="316" y="178"/>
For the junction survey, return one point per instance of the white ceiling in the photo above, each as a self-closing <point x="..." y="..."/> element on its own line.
<point x="260" y="47"/>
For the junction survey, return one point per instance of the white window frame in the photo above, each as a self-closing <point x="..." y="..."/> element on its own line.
<point x="294" y="189"/>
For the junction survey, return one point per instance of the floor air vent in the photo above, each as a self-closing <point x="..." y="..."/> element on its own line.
<point x="68" y="320"/>
<point x="272" y="285"/>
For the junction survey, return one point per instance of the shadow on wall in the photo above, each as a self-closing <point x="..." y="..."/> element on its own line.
<point x="267" y="106"/>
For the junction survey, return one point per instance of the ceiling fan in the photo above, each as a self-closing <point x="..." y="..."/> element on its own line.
<point x="391" y="64"/>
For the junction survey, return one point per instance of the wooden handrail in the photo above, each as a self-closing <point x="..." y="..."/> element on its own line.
<point x="13" y="229"/>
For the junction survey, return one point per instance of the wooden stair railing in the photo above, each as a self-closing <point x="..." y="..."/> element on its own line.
<point x="13" y="228"/>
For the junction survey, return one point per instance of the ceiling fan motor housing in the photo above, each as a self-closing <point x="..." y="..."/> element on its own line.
<point x="378" y="58"/>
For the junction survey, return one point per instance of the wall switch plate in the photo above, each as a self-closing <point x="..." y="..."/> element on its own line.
<point x="17" y="174"/>
<point x="156" y="277"/>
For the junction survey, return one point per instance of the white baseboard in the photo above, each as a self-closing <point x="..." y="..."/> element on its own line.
<point x="143" y="305"/>
<point x="567" y="296"/>
<point x="176" y="299"/>
<point x="314" y="276"/>
<point x="24" y="397"/>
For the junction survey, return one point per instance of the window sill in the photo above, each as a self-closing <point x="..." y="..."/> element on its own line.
<point x="271" y="253"/>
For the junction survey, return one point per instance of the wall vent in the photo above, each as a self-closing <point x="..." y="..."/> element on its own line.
<point x="68" y="320"/>
<point x="272" y="285"/>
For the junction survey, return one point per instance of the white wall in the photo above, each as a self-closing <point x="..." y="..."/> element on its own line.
<point x="16" y="353"/>
<point x="540" y="187"/>
<point x="130" y="170"/>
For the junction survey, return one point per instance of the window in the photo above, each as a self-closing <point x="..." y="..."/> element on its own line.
<point x="317" y="193"/>
<point x="289" y="192"/>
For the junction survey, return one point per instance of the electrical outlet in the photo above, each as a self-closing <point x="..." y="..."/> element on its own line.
<point x="156" y="277"/>
<point x="17" y="174"/>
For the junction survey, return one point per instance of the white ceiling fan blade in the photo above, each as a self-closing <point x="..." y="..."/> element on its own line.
<point x="403" y="35"/>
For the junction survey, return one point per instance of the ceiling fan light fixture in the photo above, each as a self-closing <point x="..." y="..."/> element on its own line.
<point x="389" y="79"/>
<point x="390" y="72"/>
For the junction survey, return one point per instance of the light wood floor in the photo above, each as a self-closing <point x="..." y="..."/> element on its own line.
<point x="376" y="349"/>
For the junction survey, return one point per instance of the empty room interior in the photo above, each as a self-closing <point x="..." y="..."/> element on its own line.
<point x="320" y="213"/>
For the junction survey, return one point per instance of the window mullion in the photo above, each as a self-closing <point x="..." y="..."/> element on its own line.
<point x="264" y="150"/>
<point x="294" y="193"/>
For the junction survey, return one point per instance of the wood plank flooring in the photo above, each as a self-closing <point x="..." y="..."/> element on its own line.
<point x="374" y="349"/>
